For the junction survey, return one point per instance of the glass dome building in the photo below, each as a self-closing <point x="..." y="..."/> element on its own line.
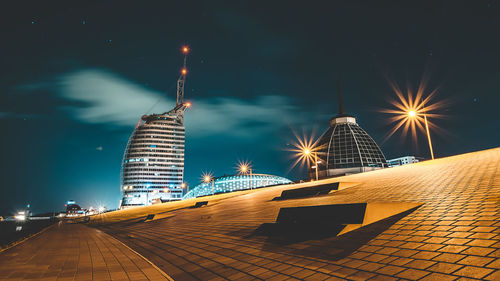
<point x="234" y="183"/>
<point x="345" y="148"/>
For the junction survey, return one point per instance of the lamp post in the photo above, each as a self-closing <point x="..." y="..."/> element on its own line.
<point x="208" y="178"/>
<point x="308" y="153"/>
<point x="413" y="114"/>
<point x="244" y="168"/>
<point x="428" y="136"/>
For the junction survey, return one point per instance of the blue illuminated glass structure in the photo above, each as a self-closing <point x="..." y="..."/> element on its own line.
<point x="234" y="183"/>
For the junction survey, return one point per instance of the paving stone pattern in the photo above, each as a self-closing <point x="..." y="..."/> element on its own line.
<point x="454" y="235"/>
<point x="74" y="252"/>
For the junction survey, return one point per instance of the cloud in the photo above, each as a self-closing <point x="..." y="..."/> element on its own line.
<point x="97" y="96"/>
<point x="109" y="98"/>
<point x="12" y="115"/>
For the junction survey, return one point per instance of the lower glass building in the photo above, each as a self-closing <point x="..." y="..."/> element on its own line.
<point x="345" y="148"/>
<point x="234" y="183"/>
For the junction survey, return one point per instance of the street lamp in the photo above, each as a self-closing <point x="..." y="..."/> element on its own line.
<point x="306" y="150"/>
<point x="411" y="111"/>
<point x="246" y="168"/>
<point x="309" y="154"/>
<point x="413" y="114"/>
<point x="207" y="177"/>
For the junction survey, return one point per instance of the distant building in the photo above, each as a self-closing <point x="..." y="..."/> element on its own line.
<point x="72" y="209"/>
<point x="402" y="161"/>
<point x="345" y="148"/>
<point x="234" y="183"/>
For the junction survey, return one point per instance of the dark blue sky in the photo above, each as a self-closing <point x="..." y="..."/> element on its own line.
<point x="75" y="79"/>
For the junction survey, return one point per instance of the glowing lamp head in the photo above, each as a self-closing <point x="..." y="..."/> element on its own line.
<point x="412" y="113"/>
<point x="184" y="71"/>
<point x="307" y="151"/>
<point x="243" y="168"/>
<point x="187" y="104"/>
<point x="185" y="50"/>
<point x="206" y="178"/>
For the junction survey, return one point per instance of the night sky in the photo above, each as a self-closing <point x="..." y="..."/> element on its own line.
<point x="75" y="79"/>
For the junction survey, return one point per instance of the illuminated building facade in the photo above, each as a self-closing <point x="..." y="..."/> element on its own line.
<point x="234" y="183"/>
<point x="153" y="162"/>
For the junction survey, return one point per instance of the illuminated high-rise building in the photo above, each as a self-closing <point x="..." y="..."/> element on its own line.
<point x="153" y="162"/>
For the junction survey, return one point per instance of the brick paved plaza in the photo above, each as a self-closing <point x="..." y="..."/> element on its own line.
<point x="74" y="252"/>
<point x="453" y="235"/>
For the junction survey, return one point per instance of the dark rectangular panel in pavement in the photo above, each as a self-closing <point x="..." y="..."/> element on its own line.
<point x="308" y="191"/>
<point x="337" y="214"/>
<point x="200" y="204"/>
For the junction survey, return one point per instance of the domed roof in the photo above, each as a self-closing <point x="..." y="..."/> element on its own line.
<point x="346" y="145"/>
<point x="234" y="183"/>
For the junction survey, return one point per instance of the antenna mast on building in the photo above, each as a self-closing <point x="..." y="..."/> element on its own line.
<point x="182" y="78"/>
<point x="181" y="106"/>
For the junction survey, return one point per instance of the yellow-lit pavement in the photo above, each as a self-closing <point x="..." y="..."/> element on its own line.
<point x="74" y="252"/>
<point x="453" y="235"/>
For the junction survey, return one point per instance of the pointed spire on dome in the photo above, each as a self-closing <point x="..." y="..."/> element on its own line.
<point x="339" y="94"/>
<point x="341" y="117"/>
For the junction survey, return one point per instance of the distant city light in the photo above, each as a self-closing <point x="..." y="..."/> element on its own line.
<point x="21" y="216"/>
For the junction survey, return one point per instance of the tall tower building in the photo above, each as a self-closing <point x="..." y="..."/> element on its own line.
<point x="153" y="162"/>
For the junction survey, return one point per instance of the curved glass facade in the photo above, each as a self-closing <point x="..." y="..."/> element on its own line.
<point x="345" y="147"/>
<point x="153" y="163"/>
<point x="234" y="183"/>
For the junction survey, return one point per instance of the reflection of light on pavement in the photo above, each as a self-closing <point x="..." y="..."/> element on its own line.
<point x="19" y="228"/>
